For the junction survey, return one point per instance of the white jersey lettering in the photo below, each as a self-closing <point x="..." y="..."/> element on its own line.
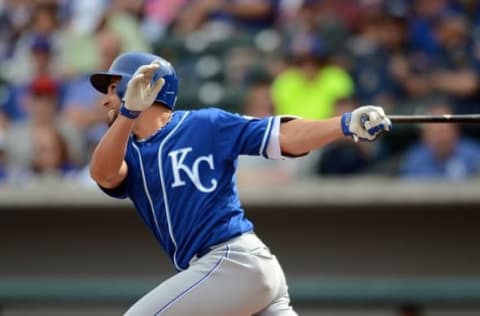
<point x="178" y="157"/>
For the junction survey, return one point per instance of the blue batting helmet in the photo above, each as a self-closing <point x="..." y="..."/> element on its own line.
<point x="125" y="65"/>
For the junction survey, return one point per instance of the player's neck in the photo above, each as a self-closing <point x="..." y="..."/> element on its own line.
<point x="150" y="121"/>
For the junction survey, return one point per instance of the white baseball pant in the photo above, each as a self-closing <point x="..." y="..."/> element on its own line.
<point x="238" y="278"/>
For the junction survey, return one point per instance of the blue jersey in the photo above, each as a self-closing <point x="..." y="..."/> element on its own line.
<point x="182" y="179"/>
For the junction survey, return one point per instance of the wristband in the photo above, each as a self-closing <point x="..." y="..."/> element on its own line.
<point x="129" y="113"/>
<point x="346" y="117"/>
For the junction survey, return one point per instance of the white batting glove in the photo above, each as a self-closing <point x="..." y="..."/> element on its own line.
<point x="365" y="123"/>
<point x="141" y="93"/>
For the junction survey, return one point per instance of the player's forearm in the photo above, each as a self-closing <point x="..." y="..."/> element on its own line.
<point x="108" y="156"/>
<point x="300" y="136"/>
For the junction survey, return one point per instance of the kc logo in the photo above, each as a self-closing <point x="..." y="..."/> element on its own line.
<point x="178" y="158"/>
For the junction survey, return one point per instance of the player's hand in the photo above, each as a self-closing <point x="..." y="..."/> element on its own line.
<point x="365" y="123"/>
<point x="141" y="92"/>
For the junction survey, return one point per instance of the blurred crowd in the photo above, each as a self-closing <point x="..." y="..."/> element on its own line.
<point x="311" y="58"/>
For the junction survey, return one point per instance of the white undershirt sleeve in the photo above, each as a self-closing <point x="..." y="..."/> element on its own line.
<point x="273" y="148"/>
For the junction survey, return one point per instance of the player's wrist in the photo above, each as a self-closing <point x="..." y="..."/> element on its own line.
<point x="131" y="114"/>
<point x="345" y="122"/>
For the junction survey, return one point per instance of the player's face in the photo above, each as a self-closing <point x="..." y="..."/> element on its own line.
<point x="112" y="102"/>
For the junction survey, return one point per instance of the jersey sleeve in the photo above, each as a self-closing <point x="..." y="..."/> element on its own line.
<point x="120" y="192"/>
<point x="241" y="135"/>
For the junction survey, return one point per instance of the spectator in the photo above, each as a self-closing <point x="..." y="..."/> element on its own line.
<point x="258" y="101"/>
<point x="41" y="40"/>
<point x="84" y="16"/>
<point x="312" y="15"/>
<point x="159" y="16"/>
<point x="422" y="24"/>
<point x="328" y="20"/>
<point x="50" y="152"/>
<point x="40" y="62"/>
<point x="250" y="15"/>
<point x="3" y="160"/>
<point x="41" y="104"/>
<point x="5" y="95"/>
<point x="311" y="85"/>
<point x="375" y="51"/>
<point x="443" y="152"/>
<point x="122" y="18"/>
<point x="457" y="65"/>
<point x="80" y="54"/>
<point x="81" y="106"/>
<point x="471" y="10"/>
<point x="451" y="69"/>
<point x="14" y="18"/>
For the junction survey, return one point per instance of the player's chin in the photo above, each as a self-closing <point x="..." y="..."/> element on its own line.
<point x="111" y="117"/>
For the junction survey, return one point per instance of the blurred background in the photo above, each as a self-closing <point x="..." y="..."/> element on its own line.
<point x="382" y="229"/>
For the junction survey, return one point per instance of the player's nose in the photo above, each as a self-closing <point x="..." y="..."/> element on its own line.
<point x="106" y="102"/>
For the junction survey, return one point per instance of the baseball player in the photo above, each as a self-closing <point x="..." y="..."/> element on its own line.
<point x="178" y="168"/>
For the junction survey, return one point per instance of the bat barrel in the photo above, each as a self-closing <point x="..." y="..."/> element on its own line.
<point x="445" y="118"/>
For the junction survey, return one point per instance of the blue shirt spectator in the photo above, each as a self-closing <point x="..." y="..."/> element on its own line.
<point x="442" y="152"/>
<point x="463" y="162"/>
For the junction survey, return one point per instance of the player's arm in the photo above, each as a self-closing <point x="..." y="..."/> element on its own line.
<point x="299" y="136"/>
<point x="108" y="167"/>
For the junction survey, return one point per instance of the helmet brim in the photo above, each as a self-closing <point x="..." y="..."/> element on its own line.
<point x="101" y="80"/>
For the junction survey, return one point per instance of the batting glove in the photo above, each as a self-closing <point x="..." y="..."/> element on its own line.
<point x="365" y="123"/>
<point x="141" y="92"/>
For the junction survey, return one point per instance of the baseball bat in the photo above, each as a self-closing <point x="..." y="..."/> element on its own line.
<point x="443" y="118"/>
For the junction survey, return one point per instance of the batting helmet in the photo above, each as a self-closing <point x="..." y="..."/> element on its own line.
<point x="125" y="65"/>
